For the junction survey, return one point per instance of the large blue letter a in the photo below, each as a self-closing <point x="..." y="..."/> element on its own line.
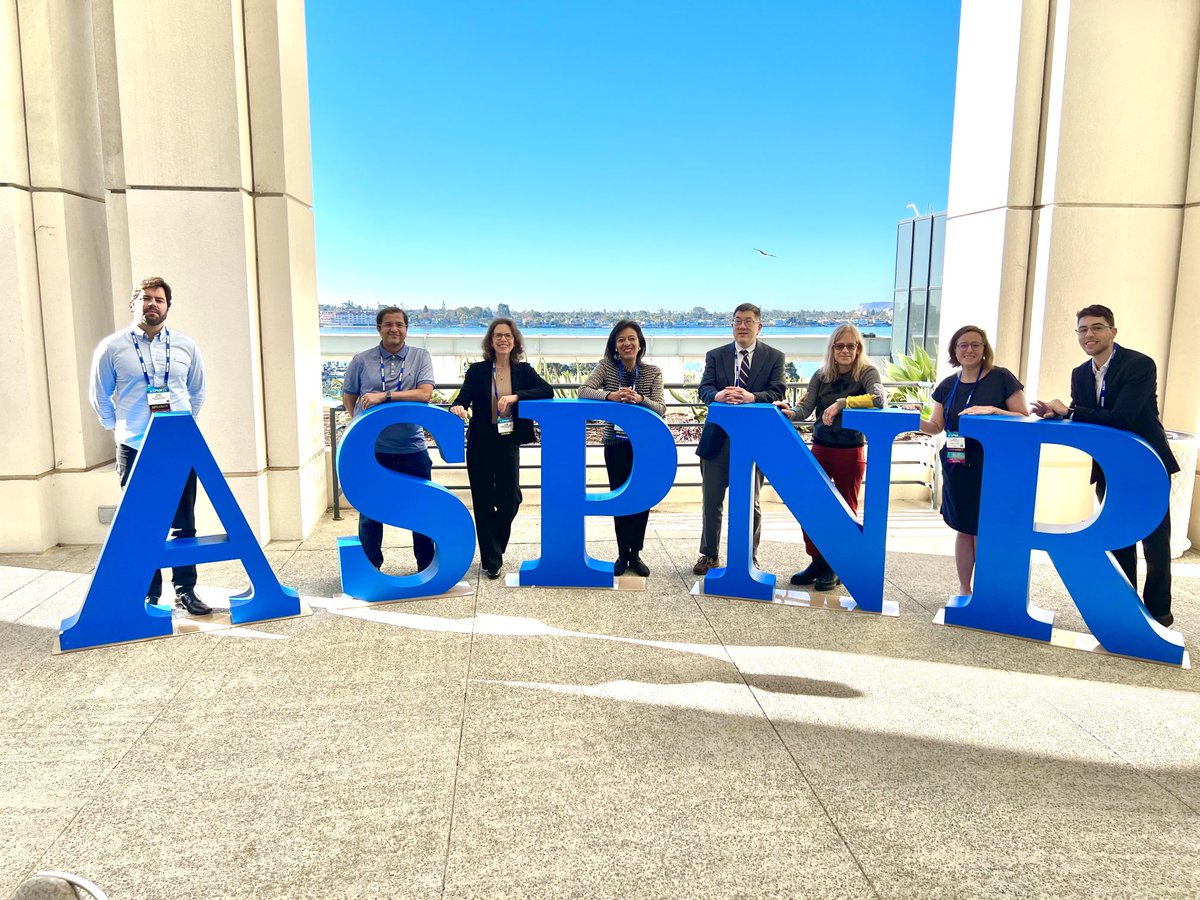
<point x="115" y="609"/>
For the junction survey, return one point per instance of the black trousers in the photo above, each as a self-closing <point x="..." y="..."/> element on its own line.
<point x="492" y="467"/>
<point x="1157" y="548"/>
<point x="183" y="525"/>
<point x="631" y="529"/>
<point x="370" y="532"/>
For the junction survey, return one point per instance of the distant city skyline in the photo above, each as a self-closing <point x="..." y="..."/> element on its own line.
<point x="624" y="156"/>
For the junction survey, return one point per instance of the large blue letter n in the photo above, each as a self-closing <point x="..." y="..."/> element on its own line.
<point x="115" y="609"/>
<point x="858" y="553"/>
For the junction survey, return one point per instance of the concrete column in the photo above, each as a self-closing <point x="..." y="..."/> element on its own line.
<point x="287" y="285"/>
<point x="27" y="451"/>
<point x="1069" y="173"/>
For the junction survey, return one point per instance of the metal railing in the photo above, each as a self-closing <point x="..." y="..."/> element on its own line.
<point x="339" y="419"/>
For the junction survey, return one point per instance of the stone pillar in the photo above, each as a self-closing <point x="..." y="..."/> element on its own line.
<point x="230" y="225"/>
<point x="131" y="153"/>
<point x="1069" y="185"/>
<point x="287" y="277"/>
<point x="27" y="451"/>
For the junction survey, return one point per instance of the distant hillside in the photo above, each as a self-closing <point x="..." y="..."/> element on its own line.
<point x="876" y="307"/>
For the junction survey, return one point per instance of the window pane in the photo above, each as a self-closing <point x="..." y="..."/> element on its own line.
<point x="921" y="243"/>
<point x="904" y="240"/>
<point x="933" y="318"/>
<point x="916" y="317"/>
<point x="899" y="323"/>
<point x="938" y="253"/>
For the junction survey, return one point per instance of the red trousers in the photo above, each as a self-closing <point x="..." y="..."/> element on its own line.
<point x="846" y="466"/>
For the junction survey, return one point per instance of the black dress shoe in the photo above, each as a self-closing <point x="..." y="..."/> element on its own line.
<point x="636" y="565"/>
<point x="619" y="567"/>
<point x="827" y="582"/>
<point x="188" y="600"/>
<point x="492" y="573"/>
<point x="154" y="601"/>
<point x="1166" y="620"/>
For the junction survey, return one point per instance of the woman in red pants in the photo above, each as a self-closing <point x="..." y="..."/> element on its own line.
<point x="846" y="379"/>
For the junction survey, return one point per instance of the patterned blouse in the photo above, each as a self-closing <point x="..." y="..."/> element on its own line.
<point x="609" y="376"/>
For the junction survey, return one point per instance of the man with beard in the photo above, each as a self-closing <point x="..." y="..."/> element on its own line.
<point x="143" y="369"/>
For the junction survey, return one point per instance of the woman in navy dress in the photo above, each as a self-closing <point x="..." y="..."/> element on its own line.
<point x="980" y="388"/>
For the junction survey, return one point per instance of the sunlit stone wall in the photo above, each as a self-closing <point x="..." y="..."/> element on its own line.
<point x="1075" y="179"/>
<point x="152" y="137"/>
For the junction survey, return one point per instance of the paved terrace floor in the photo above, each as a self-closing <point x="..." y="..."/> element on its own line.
<point x="528" y="743"/>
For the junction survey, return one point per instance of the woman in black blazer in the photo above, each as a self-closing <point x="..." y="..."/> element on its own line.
<point x="492" y="389"/>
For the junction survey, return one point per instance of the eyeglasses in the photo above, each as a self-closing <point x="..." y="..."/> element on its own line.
<point x="501" y="336"/>
<point x="971" y="345"/>
<point x="845" y="347"/>
<point x="1095" y="328"/>
<point x="749" y="323"/>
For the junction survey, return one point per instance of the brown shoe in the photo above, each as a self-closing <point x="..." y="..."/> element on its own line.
<point x="703" y="564"/>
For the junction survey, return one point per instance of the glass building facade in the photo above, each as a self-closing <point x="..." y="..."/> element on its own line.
<point x="917" y="302"/>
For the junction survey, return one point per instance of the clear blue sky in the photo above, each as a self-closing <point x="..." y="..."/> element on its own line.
<point x="610" y="154"/>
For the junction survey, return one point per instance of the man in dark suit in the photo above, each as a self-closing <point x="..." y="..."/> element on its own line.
<point x="1117" y="387"/>
<point x="746" y="371"/>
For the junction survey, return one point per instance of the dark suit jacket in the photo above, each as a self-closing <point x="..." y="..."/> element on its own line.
<point x="766" y="384"/>
<point x="1130" y="401"/>
<point x="476" y="392"/>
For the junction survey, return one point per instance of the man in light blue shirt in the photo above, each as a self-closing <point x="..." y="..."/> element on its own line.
<point x="387" y="372"/>
<point x="143" y="369"/>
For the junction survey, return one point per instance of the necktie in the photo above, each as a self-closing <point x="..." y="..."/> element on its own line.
<point x="743" y="372"/>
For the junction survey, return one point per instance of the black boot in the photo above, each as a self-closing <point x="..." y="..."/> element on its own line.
<point x="815" y="570"/>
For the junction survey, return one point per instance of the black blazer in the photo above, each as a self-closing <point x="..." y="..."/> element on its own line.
<point x="766" y="384"/>
<point x="1130" y="401"/>
<point x="476" y="392"/>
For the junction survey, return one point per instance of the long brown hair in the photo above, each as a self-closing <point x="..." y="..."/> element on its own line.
<point x="518" y="350"/>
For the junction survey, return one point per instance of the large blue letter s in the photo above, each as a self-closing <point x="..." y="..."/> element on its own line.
<point x="406" y="502"/>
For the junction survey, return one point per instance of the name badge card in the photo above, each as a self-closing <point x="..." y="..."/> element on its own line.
<point x="159" y="398"/>
<point x="504" y="425"/>
<point x="956" y="448"/>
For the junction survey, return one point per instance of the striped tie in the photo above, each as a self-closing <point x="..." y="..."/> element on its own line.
<point x="743" y="372"/>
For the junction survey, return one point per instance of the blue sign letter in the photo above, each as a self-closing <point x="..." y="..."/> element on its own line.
<point x="565" y="501"/>
<point x="759" y="434"/>
<point x="115" y="609"/>
<point x="406" y="502"/>
<point x="1134" y="503"/>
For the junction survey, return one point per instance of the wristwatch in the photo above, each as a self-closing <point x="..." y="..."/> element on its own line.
<point x="387" y="397"/>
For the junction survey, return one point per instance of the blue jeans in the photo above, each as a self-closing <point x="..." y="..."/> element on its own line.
<point x="370" y="532"/>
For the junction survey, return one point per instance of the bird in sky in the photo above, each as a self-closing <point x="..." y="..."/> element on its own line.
<point x="765" y="253"/>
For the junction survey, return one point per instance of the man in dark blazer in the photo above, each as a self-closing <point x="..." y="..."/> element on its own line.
<point x="745" y="371"/>
<point x="1117" y="387"/>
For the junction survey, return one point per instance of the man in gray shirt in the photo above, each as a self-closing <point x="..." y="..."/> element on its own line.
<point x="392" y="371"/>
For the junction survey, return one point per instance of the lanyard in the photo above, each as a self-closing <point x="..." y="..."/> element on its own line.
<point x="1104" y="378"/>
<point x="950" y="399"/>
<point x="496" y="389"/>
<point x="146" y="372"/>
<point x="382" y="380"/>
<point x="621" y="374"/>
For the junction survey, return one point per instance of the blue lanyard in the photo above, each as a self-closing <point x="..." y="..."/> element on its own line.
<point x="621" y="374"/>
<point x="1104" y="377"/>
<point x="382" y="380"/>
<point x="496" y="390"/>
<point x="950" y="399"/>
<point x="141" y="359"/>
